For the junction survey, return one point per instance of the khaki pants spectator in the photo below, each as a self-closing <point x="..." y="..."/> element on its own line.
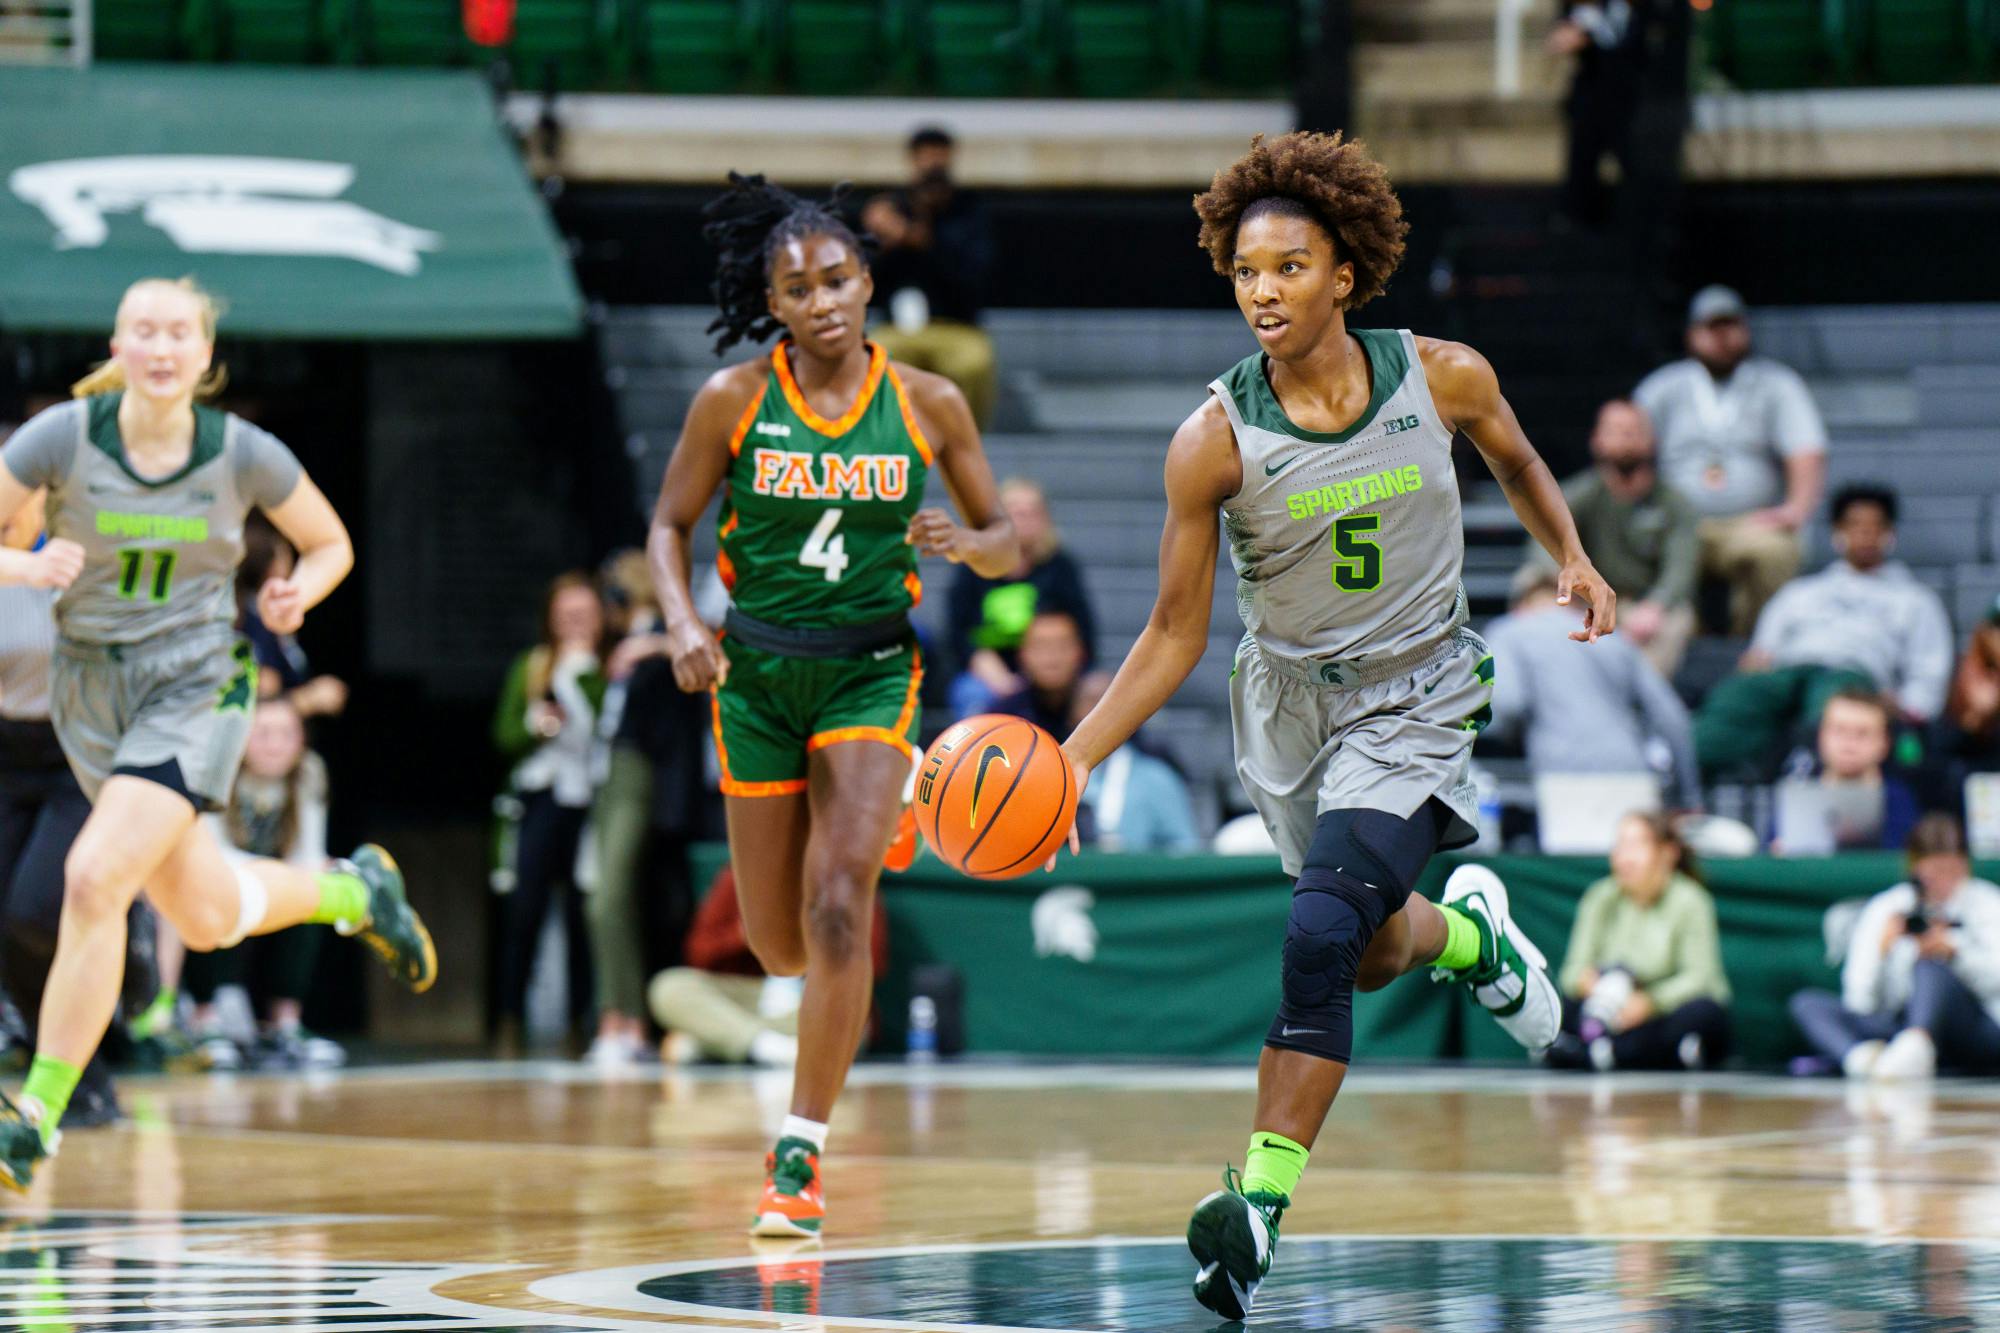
<point x="961" y="353"/>
<point x="1669" y="643"/>
<point x="717" y="1009"/>
<point x="1753" y="558"/>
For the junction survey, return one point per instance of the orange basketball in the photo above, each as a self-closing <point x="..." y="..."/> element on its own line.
<point x="995" y="796"/>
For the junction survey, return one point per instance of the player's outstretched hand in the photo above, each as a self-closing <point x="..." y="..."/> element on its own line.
<point x="1082" y="772"/>
<point x="56" y="565"/>
<point x="933" y="532"/>
<point x="1581" y="580"/>
<point x="281" y="606"/>
<point x="699" y="662"/>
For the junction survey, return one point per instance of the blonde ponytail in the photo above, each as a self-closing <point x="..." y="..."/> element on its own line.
<point x="109" y="376"/>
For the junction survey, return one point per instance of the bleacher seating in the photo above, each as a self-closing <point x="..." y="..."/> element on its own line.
<point x="1781" y="44"/>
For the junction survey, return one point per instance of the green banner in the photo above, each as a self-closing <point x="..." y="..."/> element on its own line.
<point x="316" y="203"/>
<point x="1178" y="956"/>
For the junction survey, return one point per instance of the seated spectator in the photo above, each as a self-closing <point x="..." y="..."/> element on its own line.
<point x="1640" y="533"/>
<point x="1135" y="802"/>
<point x="282" y="667"/>
<point x="989" y="616"/>
<point x="277" y="809"/>
<point x="1864" y="621"/>
<point x="546" y="725"/>
<point x="931" y="271"/>
<point x="1846" y="798"/>
<point x="720" y="1005"/>
<point x="1584" y="712"/>
<point x="1921" y="984"/>
<point x="1968" y="732"/>
<point x="1052" y="661"/>
<point x="1739" y="437"/>
<point x="1643" y="981"/>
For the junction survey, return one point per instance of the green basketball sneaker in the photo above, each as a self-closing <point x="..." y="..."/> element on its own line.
<point x="1233" y="1236"/>
<point x="21" y="1141"/>
<point x="1511" y="978"/>
<point x="393" y="929"/>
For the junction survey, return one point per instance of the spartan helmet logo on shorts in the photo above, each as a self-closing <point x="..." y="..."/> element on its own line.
<point x="986" y="758"/>
<point x="1063" y="928"/>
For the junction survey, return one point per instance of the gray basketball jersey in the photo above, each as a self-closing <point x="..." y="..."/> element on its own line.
<point x="160" y="555"/>
<point x="1347" y="544"/>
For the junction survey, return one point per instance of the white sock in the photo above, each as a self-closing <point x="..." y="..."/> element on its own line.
<point x="798" y="1127"/>
<point x="252" y="902"/>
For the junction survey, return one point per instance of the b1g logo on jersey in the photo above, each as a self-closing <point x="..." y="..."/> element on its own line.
<point x="795" y="476"/>
<point x="1397" y="425"/>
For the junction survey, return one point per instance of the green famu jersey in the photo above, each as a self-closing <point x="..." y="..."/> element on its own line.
<point x="813" y="518"/>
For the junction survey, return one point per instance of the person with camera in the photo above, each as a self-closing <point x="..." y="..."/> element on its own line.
<point x="1921" y="984"/>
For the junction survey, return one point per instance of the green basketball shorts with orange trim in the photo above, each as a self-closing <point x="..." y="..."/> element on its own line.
<point x="774" y="711"/>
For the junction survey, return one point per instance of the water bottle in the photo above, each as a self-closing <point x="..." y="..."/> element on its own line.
<point x="923" y="1030"/>
<point x="1488" y="789"/>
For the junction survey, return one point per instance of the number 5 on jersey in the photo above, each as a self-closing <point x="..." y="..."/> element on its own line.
<point x="824" y="550"/>
<point x="1357" y="565"/>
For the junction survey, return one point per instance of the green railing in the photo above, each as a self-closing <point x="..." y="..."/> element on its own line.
<point x="1781" y="44"/>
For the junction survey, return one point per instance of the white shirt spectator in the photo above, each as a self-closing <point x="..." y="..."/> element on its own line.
<point x="1881" y="621"/>
<point x="1872" y="982"/>
<point x="1722" y="445"/>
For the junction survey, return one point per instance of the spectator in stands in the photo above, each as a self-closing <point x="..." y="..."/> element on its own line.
<point x="931" y="272"/>
<point x="1609" y="46"/>
<point x="990" y="616"/>
<point x="1845" y="797"/>
<point x="1135" y="802"/>
<point x="277" y="809"/>
<point x="1640" y="532"/>
<point x="282" y="667"/>
<point x="720" y="1005"/>
<point x="546" y="725"/>
<point x="1740" y="438"/>
<point x="1643" y="980"/>
<point x="1584" y="712"/>
<point x="1968" y="735"/>
<point x="1863" y="621"/>
<point x="1921" y="984"/>
<point x="1052" y="662"/>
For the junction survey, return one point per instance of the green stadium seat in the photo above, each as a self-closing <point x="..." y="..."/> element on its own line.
<point x="273" y="32"/>
<point x="569" y="41"/>
<point x="1917" y="41"/>
<point x="1254" y="45"/>
<point x="694" y="46"/>
<point x="413" y="32"/>
<point x="835" y="46"/>
<point x="976" y="48"/>
<point x="135" y="29"/>
<point x="1982" y="25"/>
<point x="1768" y="44"/>
<point x="1115" y="48"/>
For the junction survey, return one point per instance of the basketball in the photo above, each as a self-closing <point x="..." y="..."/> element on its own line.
<point x="995" y="797"/>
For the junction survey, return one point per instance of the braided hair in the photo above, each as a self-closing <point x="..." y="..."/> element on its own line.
<point x="747" y="226"/>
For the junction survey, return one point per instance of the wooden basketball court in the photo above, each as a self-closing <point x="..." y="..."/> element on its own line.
<point x="545" y="1197"/>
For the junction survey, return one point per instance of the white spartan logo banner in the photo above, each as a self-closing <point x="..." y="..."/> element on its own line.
<point x="223" y="205"/>
<point x="1062" y="924"/>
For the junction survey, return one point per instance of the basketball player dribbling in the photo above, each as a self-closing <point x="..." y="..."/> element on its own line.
<point x="1358" y="689"/>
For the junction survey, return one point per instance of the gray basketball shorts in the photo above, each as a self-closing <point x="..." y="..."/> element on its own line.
<point x="185" y="698"/>
<point x="1304" y="749"/>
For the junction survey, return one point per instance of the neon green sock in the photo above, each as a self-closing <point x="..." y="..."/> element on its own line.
<point x="50" y="1082"/>
<point x="156" y="1017"/>
<point x="343" y="899"/>
<point x="1273" y="1164"/>
<point x="1461" y="941"/>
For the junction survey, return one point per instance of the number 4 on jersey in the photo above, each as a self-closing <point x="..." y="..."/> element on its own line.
<point x="824" y="550"/>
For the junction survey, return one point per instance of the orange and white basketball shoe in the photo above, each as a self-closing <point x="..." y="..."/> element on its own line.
<point x="793" y="1202"/>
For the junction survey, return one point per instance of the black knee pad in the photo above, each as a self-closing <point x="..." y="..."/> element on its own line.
<point x="1359" y="872"/>
<point x="1324" y="940"/>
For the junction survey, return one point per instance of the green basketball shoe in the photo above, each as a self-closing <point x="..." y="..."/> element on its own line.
<point x="1511" y="978"/>
<point x="21" y="1142"/>
<point x="1233" y="1236"/>
<point x="394" y="930"/>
